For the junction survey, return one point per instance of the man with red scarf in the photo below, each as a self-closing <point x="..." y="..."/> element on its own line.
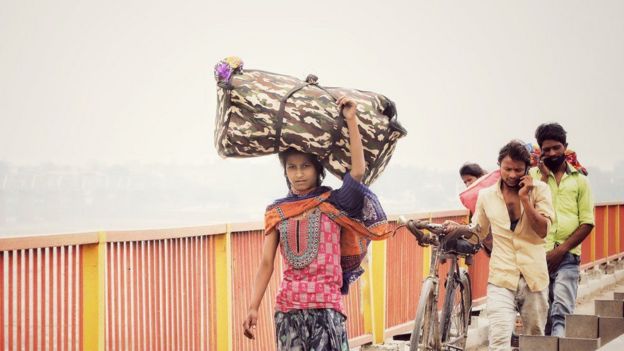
<point x="574" y="220"/>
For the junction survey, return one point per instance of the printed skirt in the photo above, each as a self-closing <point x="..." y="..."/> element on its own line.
<point x="311" y="330"/>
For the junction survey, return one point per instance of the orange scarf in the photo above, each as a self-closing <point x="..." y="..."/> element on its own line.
<point x="354" y="236"/>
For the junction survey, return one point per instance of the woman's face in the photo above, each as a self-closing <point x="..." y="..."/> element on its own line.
<point x="300" y="173"/>
<point x="468" y="179"/>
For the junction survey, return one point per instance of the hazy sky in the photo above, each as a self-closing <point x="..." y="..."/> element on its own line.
<point x="125" y="81"/>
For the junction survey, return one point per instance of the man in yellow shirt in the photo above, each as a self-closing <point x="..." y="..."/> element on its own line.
<point x="519" y="213"/>
<point x="572" y="200"/>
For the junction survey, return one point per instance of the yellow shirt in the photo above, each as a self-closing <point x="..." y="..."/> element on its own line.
<point x="516" y="252"/>
<point x="573" y="203"/>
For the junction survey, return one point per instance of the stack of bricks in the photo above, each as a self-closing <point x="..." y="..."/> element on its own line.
<point x="584" y="332"/>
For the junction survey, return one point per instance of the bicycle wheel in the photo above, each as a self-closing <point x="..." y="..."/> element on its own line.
<point x="456" y="312"/>
<point x="423" y="335"/>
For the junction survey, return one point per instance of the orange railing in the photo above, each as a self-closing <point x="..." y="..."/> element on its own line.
<point x="188" y="288"/>
<point x="41" y="292"/>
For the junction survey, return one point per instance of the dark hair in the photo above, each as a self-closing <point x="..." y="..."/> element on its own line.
<point x="516" y="150"/>
<point x="318" y="166"/>
<point x="550" y="131"/>
<point x="472" y="169"/>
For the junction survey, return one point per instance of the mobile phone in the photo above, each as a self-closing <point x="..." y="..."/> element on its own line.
<point x="526" y="173"/>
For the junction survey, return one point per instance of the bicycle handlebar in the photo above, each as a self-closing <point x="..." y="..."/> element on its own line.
<point x="439" y="230"/>
<point x="432" y="227"/>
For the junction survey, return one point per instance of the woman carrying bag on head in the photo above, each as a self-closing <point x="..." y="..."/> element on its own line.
<point x="322" y="235"/>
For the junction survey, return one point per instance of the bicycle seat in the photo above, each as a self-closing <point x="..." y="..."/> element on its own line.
<point x="464" y="232"/>
<point x="460" y="246"/>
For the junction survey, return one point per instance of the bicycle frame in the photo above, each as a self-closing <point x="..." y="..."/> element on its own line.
<point x="434" y="330"/>
<point x="439" y="256"/>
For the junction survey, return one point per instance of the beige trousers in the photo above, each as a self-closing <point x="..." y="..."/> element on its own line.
<point x="502" y="305"/>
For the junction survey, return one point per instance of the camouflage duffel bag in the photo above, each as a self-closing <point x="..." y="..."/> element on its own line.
<point x="261" y="113"/>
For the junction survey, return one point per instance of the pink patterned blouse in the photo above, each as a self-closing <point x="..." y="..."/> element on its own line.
<point x="312" y="276"/>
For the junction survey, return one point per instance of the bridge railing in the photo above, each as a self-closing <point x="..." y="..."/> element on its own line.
<point x="189" y="288"/>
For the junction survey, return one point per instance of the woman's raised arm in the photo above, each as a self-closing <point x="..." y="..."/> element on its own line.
<point x="349" y="111"/>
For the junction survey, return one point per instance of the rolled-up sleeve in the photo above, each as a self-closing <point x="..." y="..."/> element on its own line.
<point x="543" y="202"/>
<point x="480" y="218"/>
<point x="350" y="196"/>
<point x="585" y="202"/>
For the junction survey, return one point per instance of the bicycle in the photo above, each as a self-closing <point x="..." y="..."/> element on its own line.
<point x="449" y="330"/>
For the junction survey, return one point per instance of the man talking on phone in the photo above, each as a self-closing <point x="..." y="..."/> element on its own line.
<point x="574" y="207"/>
<point x="519" y="212"/>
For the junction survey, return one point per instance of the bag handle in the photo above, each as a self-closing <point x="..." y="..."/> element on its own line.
<point x="311" y="79"/>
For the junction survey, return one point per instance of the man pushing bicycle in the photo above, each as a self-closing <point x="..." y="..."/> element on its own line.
<point x="519" y="213"/>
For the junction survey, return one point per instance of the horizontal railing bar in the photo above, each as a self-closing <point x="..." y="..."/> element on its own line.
<point x="427" y="215"/>
<point x="160" y="234"/>
<point x="41" y="241"/>
<point x="37" y="241"/>
<point x="609" y="203"/>
<point x="361" y="340"/>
